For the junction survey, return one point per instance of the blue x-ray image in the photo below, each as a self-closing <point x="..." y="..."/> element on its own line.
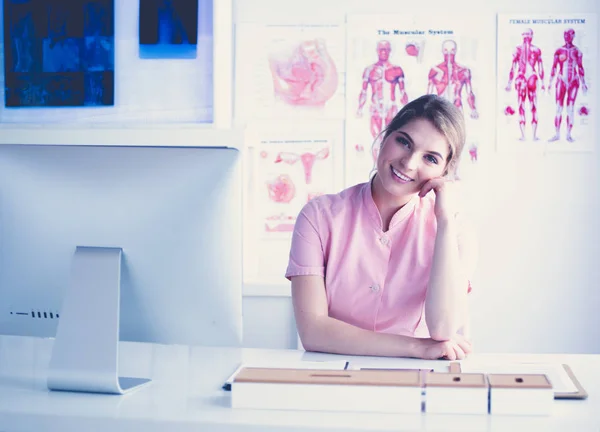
<point x="168" y="28"/>
<point x="59" y="53"/>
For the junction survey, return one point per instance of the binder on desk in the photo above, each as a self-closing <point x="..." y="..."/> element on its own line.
<point x="564" y="382"/>
<point x="381" y="391"/>
<point x="318" y="365"/>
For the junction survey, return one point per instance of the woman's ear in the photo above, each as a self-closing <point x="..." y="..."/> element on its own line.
<point x="450" y="171"/>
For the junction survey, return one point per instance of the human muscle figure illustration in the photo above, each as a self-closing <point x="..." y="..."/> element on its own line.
<point x="527" y="60"/>
<point x="448" y="79"/>
<point x="308" y="160"/>
<point x="569" y="72"/>
<point x="307" y="77"/>
<point x="384" y="79"/>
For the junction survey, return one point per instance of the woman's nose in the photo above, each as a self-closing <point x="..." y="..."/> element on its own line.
<point x="409" y="162"/>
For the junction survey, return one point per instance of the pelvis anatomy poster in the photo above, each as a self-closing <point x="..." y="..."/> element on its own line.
<point x="546" y="94"/>
<point x="294" y="72"/>
<point x="394" y="59"/>
<point x="283" y="171"/>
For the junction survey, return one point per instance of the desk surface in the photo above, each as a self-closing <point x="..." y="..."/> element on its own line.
<point x="186" y="395"/>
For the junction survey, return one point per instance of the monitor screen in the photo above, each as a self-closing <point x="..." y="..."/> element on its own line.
<point x="176" y="212"/>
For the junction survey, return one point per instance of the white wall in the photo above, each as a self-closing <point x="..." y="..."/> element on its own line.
<point x="536" y="288"/>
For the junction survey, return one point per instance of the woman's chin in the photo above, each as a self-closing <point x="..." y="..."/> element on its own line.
<point x="395" y="185"/>
<point x="400" y="190"/>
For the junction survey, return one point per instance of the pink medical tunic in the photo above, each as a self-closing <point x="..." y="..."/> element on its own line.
<point x="373" y="279"/>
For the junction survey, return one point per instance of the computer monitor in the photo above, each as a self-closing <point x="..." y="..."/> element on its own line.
<point x="163" y="225"/>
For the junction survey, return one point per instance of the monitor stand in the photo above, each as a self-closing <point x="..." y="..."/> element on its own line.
<point x="85" y="352"/>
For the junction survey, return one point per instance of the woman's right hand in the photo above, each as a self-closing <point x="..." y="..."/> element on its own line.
<point x="456" y="348"/>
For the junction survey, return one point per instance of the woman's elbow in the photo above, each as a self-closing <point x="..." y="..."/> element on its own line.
<point x="442" y="329"/>
<point x="444" y="324"/>
<point x="309" y="345"/>
<point x="310" y="334"/>
<point x="309" y="341"/>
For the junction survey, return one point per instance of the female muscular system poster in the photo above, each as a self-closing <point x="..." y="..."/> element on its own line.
<point x="546" y="94"/>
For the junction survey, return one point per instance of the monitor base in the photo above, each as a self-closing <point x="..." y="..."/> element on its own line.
<point x="86" y="348"/>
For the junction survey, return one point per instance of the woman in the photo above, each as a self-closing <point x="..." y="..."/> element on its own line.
<point x="382" y="268"/>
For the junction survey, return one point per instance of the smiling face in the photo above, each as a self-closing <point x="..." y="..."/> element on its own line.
<point x="410" y="156"/>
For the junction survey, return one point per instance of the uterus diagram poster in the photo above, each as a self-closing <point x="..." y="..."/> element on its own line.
<point x="546" y="90"/>
<point x="289" y="72"/>
<point x="284" y="169"/>
<point x="394" y="59"/>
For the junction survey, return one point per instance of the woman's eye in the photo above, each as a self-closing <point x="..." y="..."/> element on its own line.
<point x="432" y="159"/>
<point x="402" y="141"/>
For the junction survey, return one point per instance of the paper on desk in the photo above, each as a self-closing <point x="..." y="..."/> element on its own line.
<point x="556" y="373"/>
<point x="298" y="364"/>
<point x="400" y="363"/>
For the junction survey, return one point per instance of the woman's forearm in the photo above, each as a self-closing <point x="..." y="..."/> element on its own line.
<point x="445" y="301"/>
<point x="326" y="334"/>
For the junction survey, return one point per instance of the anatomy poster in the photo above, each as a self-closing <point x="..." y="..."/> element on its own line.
<point x="284" y="170"/>
<point x="285" y="71"/>
<point x="394" y="59"/>
<point x="546" y="93"/>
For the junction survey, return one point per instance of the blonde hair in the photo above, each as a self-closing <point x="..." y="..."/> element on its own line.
<point x="446" y="117"/>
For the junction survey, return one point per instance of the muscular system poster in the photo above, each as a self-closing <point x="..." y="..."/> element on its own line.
<point x="546" y="93"/>
<point x="289" y="71"/>
<point x="393" y="59"/>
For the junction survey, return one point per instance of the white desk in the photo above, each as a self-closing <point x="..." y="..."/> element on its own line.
<point x="186" y="395"/>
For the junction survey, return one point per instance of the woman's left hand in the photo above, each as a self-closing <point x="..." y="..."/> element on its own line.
<point x="446" y="197"/>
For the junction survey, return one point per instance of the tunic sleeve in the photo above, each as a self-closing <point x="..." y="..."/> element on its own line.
<point x="306" y="252"/>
